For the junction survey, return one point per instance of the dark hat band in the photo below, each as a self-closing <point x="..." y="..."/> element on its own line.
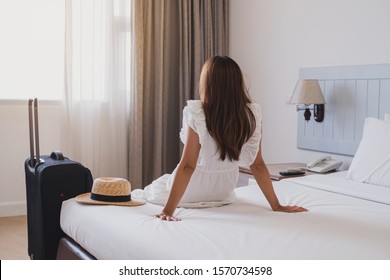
<point x="110" y="198"/>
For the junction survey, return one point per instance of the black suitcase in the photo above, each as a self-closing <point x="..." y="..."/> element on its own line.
<point x="49" y="181"/>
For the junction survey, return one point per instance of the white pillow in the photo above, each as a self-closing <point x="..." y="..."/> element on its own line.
<point x="387" y="117"/>
<point x="371" y="163"/>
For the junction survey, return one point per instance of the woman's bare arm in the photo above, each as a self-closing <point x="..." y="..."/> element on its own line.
<point x="183" y="175"/>
<point x="260" y="172"/>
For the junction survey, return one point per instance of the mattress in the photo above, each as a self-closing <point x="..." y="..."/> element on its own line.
<point x="346" y="220"/>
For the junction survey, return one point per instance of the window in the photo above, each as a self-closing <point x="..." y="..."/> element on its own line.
<point x="98" y="49"/>
<point x="32" y="49"/>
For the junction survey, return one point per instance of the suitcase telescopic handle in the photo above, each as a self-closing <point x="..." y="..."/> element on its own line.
<point x="57" y="155"/>
<point x="34" y="132"/>
<point x="38" y="159"/>
<point x="31" y="130"/>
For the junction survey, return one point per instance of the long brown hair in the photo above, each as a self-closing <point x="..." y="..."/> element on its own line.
<point x="225" y="100"/>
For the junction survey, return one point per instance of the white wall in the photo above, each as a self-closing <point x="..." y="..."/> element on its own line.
<point x="14" y="149"/>
<point x="272" y="39"/>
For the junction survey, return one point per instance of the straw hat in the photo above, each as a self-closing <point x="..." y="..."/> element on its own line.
<point x="110" y="191"/>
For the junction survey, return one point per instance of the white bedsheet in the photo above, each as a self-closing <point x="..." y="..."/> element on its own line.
<point x="337" y="226"/>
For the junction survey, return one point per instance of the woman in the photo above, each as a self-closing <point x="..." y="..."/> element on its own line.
<point x="220" y="131"/>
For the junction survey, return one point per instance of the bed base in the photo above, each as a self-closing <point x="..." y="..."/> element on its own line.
<point x="68" y="249"/>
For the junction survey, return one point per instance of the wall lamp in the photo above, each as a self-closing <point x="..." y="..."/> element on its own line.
<point x="308" y="92"/>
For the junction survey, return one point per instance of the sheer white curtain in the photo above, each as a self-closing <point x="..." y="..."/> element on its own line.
<point x="97" y="84"/>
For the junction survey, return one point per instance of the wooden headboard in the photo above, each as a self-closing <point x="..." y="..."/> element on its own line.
<point x="352" y="93"/>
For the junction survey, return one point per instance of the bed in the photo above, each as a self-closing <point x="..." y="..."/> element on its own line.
<point x="349" y="211"/>
<point x="346" y="220"/>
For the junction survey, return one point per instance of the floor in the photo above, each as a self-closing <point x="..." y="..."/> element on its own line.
<point x="13" y="238"/>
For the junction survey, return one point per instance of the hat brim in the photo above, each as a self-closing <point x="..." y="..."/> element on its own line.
<point x="86" y="199"/>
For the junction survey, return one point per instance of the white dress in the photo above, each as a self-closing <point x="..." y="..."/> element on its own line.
<point x="213" y="181"/>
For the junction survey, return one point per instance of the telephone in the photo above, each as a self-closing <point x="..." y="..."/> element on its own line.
<point x="324" y="164"/>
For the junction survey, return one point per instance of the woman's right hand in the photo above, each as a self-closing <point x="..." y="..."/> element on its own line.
<point x="290" y="209"/>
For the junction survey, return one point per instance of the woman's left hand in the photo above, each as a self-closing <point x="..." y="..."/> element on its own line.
<point x="291" y="209"/>
<point x="166" y="217"/>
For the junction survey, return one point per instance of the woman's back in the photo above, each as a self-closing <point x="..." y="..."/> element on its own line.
<point x="209" y="156"/>
<point x="214" y="179"/>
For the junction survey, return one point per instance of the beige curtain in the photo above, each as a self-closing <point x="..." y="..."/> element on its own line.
<point x="172" y="39"/>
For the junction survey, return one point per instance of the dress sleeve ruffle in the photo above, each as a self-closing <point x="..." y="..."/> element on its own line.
<point x="193" y="116"/>
<point x="251" y="147"/>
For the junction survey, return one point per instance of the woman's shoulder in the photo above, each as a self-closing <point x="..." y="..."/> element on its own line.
<point x="193" y="116"/>
<point x="194" y="104"/>
<point x="254" y="105"/>
<point x="193" y="108"/>
<point x="256" y="109"/>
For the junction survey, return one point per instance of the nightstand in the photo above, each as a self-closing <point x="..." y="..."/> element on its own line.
<point x="274" y="169"/>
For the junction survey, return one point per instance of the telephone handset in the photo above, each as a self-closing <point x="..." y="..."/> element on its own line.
<point x="324" y="164"/>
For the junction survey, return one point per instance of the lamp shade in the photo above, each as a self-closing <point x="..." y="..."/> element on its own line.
<point x="307" y="92"/>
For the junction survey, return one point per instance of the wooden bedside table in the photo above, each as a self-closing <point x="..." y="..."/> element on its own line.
<point x="274" y="169"/>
